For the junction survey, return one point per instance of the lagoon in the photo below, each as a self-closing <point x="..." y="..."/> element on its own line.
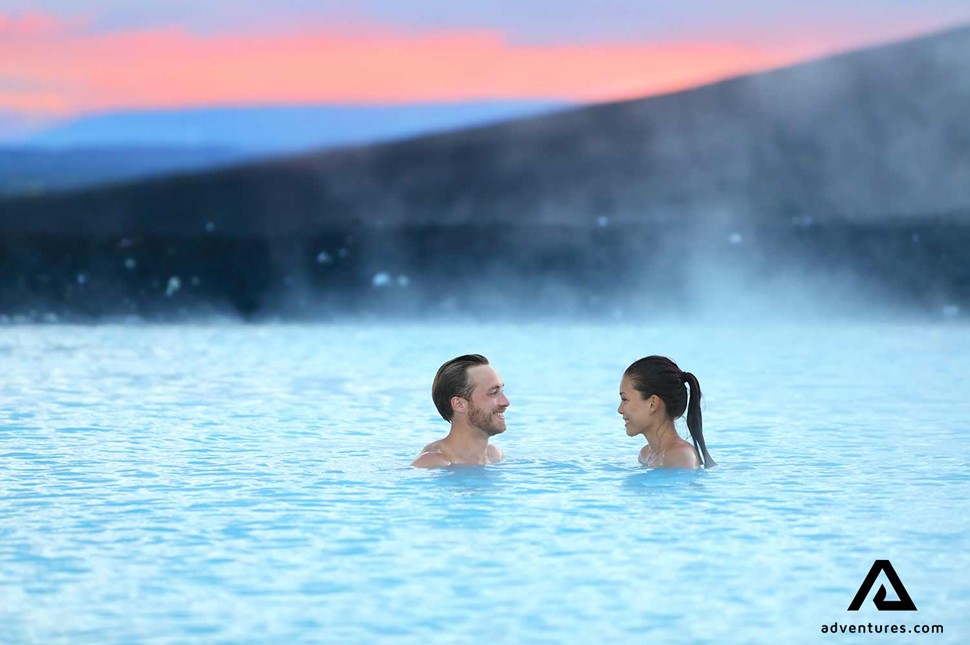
<point x="222" y="482"/>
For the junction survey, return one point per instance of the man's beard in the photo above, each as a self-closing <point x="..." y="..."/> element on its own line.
<point x="485" y="422"/>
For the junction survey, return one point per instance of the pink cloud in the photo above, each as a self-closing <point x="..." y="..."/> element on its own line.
<point x="81" y="71"/>
<point x="28" y="24"/>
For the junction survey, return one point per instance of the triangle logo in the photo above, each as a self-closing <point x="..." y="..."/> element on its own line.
<point x="905" y="603"/>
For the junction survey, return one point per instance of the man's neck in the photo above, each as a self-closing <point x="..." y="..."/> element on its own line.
<point x="467" y="443"/>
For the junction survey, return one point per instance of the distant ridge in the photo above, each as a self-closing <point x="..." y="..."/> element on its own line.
<point x="834" y="162"/>
<point x="26" y="170"/>
<point x="276" y="129"/>
<point x="131" y="145"/>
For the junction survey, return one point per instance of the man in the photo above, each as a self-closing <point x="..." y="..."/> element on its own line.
<point x="470" y="395"/>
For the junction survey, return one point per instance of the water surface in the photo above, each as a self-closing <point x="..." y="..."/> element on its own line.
<point x="229" y="483"/>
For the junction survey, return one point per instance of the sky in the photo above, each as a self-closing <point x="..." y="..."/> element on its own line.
<point x="73" y="57"/>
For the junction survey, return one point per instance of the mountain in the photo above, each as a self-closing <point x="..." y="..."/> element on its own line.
<point x="853" y="169"/>
<point x="277" y="129"/>
<point x="128" y="145"/>
<point x="37" y="170"/>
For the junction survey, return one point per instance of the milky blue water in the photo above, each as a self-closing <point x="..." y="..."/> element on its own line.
<point x="230" y="483"/>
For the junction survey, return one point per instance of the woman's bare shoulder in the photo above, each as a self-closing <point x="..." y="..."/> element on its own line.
<point x="680" y="456"/>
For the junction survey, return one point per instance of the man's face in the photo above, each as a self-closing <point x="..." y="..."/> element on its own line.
<point x="488" y="402"/>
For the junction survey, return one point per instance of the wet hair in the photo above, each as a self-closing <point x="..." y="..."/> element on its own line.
<point x="452" y="380"/>
<point x="661" y="376"/>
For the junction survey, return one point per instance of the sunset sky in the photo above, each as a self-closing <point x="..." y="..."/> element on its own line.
<point x="65" y="58"/>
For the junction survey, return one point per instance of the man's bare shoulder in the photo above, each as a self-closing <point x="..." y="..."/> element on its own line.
<point x="494" y="454"/>
<point x="432" y="456"/>
<point x="431" y="460"/>
<point x="434" y="446"/>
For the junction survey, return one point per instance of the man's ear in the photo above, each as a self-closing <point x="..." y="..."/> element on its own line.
<point x="458" y="404"/>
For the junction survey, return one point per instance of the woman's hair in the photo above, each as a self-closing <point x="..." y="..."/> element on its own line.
<point x="661" y="376"/>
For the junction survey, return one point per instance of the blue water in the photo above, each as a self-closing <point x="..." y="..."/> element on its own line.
<point x="229" y="483"/>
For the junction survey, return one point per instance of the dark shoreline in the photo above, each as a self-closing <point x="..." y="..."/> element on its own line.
<point x="916" y="268"/>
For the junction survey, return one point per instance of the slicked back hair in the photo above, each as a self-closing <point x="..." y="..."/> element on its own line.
<point x="452" y="380"/>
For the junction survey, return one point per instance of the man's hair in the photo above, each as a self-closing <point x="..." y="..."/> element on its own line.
<point x="452" y="380"/>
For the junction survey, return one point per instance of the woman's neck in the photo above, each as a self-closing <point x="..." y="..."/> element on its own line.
<point x="662" y="437"/>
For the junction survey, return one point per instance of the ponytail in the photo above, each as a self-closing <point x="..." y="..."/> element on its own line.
<point x="695" y="424"/>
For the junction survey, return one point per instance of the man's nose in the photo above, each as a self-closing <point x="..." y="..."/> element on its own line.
<point x="504" y="401"/>
<point x="619" y="409"/>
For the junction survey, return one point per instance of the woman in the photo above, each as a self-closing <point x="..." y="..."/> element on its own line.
<point x="653" y="393"/>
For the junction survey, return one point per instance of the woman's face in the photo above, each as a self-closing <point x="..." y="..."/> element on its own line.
<point x="636" y="411"/>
